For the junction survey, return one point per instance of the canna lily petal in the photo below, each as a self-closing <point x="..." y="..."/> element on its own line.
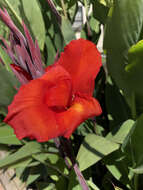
<point x="82" y="108"/>
<point x="32" y="112"/>
<point x="83" y="61"/>
<point x="36" y="122"/>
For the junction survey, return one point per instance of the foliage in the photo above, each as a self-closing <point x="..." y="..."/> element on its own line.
<point x="108" y="148"/>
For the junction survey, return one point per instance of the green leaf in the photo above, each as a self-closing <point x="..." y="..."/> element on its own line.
<point x="5" y="58"/>
<point x="132" y="145"/>
<point x="92" y="185"/>
<point x="35" y="20"/>
<point x="26" y="151"/>
<point x="122" y="31"/>
<point x="4" y="30"/>
<point x="67" y="30"/>
<point x="115" y="99"/>
<point x="30" y="13"/>
<point x="94" y="148"/>
<point x="100" y="11"/>
<point x="138" y="170"/>
<point x="117" y="164"/>
<point x="135" y="67"/>
<point x="62" y="183"/>
<point x="44" y="156"/>
<point x="24" y="163"/>
<point x="7" y="136"/>
<point x="119" y="134"/>
<point x="13" y="6"/>
<point x="50" y="50"/>
<point x="45" y="186"/>
<point x="7" y="89"/>
<point x="124" y="27"/>
<point x="31" y="178"/>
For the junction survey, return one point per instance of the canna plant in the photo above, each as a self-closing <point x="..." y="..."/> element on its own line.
<point x="56" y="132"/>
<point x="53" y="101"/>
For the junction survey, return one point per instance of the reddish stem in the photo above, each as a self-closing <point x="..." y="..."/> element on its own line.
<point x="53" y="8"/>
<point x="65" y="149"/>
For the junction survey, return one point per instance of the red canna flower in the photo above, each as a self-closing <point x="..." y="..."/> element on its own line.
<point x="56" y="101"/>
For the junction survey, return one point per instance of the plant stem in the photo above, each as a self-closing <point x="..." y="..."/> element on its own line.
<point x="80" y="177"/>
<point x="64" y="8"/>
<point x="53" y="8"/>
<point x="58" y="145"/>
<point x="136" y="181"/>
<point x="65" y="150"/>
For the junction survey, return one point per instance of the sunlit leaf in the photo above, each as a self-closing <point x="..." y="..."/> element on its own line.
<point x="94" y="148"/>
<point x="27" y="150"/>
<point x="7" y="136"/>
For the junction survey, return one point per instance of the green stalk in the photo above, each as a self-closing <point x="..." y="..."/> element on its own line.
<point x="64" y="8"/>
<point x="136" y="181"/>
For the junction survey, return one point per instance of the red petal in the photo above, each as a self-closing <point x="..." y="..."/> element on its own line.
<point x="60" y="94"/>
<point x="83" y="61"/>
<point x="82" y="108"/>
<point x="30" y="113"/>
<point x="36" y="122"/>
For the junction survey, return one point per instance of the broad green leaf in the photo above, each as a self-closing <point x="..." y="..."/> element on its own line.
<point x="3" y="111"/>
<point x="52" y="170"/>
<point x="25" y="151"/>
<point x="30" y="13"/>
<point x="7" y="136"/>
<point x="122" y="31"/>
<point x="119" y="134"/>
<point x="31" y="178"/>
<point x="94" y="148"/>
<point x="124" y="27"/>
<point x="100" y="11"/>
<point x="84" y="129"/>
<point x="3" y="30"/>
<point x="7" y="89"/>
<point x="133" y="143"/>
<point x="115" y="99"/>
<point x="45" y="186"/>
<point x="53" y="158"/>
<point x="62" y="183"/>
<point x="50" y="50"/>
<point x="117" y="164"/>
<point x="138" y="170"/>
<point x="13" y="6"/>
<point x="44" y="156"/>
<point x="5" y="58"/>
<point x="67" y="30"/>
<point x="135" y="67"/>
<point x="24" y="163"/>
<point x="35" y="20"/>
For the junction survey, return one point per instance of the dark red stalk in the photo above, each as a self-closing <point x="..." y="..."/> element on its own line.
<point x="53" y="8"/>
<point x="65" y="150"/>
